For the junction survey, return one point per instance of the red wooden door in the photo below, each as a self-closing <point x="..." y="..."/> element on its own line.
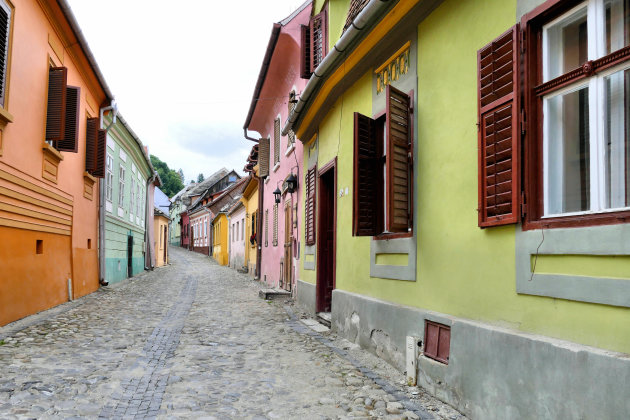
<point x="326" y="241"/>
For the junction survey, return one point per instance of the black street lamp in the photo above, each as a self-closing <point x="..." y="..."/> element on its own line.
<point x="276" y="194"/>
<point x="291" y="183"/>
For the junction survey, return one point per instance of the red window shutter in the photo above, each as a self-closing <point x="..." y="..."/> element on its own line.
<point x="305" y="50"/>
<point x="310" y="205"/>
<point x="56" y="110"/>
<point x="101" y="152"/>
<point x="91" y="143"/>
<point x="399" y="128"/>
<point x="70" y="143"/>
<point x="367" y="179"/>
<point x="263" y="158"/>
<point x="499" y="179"/>
<point x="437" y="341"/>
<point x="318" y="30"/>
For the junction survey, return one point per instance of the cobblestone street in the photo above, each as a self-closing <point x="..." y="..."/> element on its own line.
<point x="193" y="340"/>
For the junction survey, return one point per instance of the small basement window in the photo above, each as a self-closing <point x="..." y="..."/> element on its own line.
<point x="39" y="246"/>
<point x="437" y="341"/>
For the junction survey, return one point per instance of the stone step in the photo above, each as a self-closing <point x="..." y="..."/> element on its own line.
<point x="324" y="318"/>
<point x="269" y="294"/>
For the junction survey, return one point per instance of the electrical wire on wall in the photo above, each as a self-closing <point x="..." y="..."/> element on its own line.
<point x="542" y="231"/>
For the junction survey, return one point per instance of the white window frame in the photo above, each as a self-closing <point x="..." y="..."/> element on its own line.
<point x="121" y="185"/>
<point x="596" y="30"/>
<point x="109" y="178"/>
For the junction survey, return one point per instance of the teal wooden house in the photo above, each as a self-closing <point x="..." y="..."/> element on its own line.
<point x="124" y="197"/>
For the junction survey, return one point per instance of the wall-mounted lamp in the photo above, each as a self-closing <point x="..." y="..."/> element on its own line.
<point x="292" y="183"/>
<point x="276" y="194"/>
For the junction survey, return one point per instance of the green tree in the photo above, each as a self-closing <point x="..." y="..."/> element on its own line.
<point x="171" y="180"/>
<point x="200" y="178"/>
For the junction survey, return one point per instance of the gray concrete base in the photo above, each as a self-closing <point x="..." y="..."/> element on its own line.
<point x="493" y="373"/>
<point x="270" y="294"/>
<point x="306" y="297"/>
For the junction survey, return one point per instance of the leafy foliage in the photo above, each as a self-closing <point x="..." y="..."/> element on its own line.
<point x="200" y="178"/>
<point x="171" y="180"/>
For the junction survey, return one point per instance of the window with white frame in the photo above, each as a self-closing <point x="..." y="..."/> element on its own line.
<point x="132" y="197"/>
<point x="121" y="185"/>
<point x="109" y="178"/>
<point x="586" y="136"/>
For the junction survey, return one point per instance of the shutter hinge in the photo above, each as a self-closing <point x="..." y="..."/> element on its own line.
<point x="523" y="206"/>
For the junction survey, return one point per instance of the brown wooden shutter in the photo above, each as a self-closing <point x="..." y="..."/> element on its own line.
<point x="399" y="128"/>
<point x="276" y="141"/>
<point x="367" y="185"/>
<point x="311" y="178"/>
<point x="101" y="153"/>
<point x="70" y="143"/>
<point x="305" y="50"/>
<point x="499" y="183"/>
<point x="318" y="29"/>
<point x="56" y="110"/>
<point x="263" y="158"/>
<point x="5" y="20"/>
<point x="91" y="143"/>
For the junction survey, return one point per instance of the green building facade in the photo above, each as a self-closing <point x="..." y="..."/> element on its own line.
<point x="125" y="199"/>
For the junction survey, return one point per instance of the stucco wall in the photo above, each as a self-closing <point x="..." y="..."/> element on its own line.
<point x="237" y="240"/>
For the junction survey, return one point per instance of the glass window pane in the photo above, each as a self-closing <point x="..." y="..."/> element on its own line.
<point x="567" y="160"/>
<point x="617" y="24"/>
<point x="617" y="143"/>
<point x="566" y="44"/>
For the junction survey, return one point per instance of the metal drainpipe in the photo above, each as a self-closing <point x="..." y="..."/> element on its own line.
<point x="261" y="194"/>
<point x="101" y="205"/>
<point x="146" y="222"/>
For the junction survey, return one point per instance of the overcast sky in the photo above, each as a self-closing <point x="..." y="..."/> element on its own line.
<point x="183" y="73"/>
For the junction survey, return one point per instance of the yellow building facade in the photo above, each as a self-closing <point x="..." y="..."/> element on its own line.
<point x="160" y="226"/>
<point x="220" y="239"/>
<point x="250" y="201"/>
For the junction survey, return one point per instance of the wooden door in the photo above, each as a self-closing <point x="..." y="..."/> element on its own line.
<point x="326" y="238"/>
<point x="129" y="255"/>
<point x="165" y="243"/>
<point x="287" y="275"/>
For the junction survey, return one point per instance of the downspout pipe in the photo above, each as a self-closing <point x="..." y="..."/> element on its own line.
<point x="101" y="207"/>
<point x="248" y="137"/>
<point x="363" y="19"/>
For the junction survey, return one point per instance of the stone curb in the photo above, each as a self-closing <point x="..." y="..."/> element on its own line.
<point x="392" y="390"/>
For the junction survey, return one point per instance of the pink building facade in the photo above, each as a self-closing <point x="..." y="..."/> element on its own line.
<point x="279" y="83"/>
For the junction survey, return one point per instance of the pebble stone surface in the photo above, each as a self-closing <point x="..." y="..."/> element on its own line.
<point x="193" y="340"/>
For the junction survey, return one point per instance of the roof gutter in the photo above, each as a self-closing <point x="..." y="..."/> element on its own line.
<point x="333" y="58"/>
<point x="67" y="11"/>
<point x="271" y="46"/>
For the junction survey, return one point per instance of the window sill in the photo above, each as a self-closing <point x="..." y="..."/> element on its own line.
<point x="592" y="219"/>
<point x="289" y="150"/>
<point x="276" y="167"/>
<point x="388" y="236"/>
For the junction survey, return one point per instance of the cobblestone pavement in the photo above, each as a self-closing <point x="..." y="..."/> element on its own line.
<point x="193" y="340"/>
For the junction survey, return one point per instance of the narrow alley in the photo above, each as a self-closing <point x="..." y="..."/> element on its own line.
<point x="193" y="340"/>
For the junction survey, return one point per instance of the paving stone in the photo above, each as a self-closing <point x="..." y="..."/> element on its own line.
<point x="191" y="340"/>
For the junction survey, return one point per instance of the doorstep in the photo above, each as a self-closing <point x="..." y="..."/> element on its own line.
<point x="269" y="294"/>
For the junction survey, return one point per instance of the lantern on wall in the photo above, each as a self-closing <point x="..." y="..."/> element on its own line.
<point x="276" y="194"/>
<point x="291" y="183"/>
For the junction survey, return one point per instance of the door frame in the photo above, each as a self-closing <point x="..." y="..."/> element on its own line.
<point x="287" y="268"/>
<point x="324" y="170"/>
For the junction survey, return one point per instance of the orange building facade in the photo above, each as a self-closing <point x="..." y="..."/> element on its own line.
<point x="50" y="158"/>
